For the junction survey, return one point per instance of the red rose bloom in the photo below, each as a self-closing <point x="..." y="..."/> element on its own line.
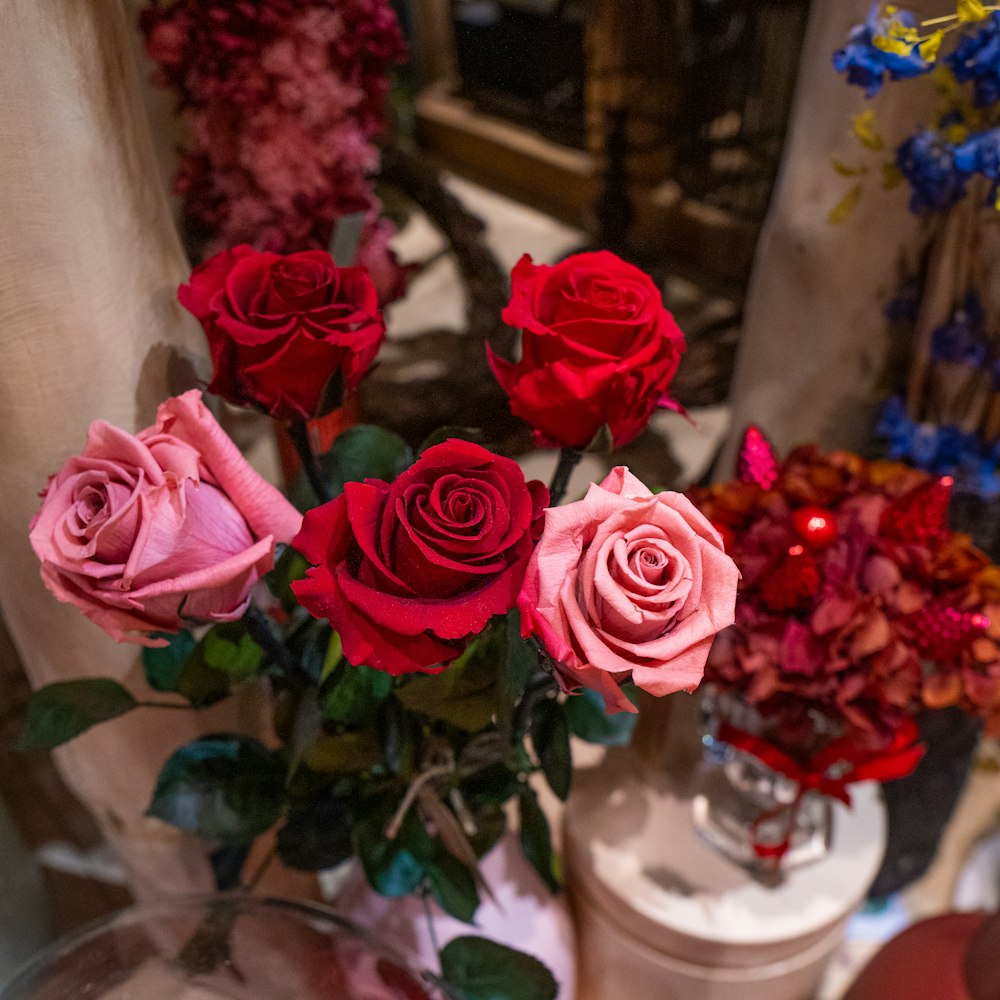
<point x="280" y="327"/>
<point x="406" y="572"/>
<point x="598" y="347"/>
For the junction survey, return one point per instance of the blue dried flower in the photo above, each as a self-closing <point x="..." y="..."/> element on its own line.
<point x="980" y="154"/>
<point x="977" y="58"/>
<point x="866" y="65"/>
<point x="928" y="162"/>
<point x="961" y="340"/>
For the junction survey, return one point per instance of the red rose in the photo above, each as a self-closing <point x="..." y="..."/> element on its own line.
<point x="280" y="327"/>
<point x="406" y="572"/>
<point x="597" y="347"/>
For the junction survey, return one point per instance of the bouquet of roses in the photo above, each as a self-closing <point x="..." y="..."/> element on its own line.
<point x="433" y="630"/>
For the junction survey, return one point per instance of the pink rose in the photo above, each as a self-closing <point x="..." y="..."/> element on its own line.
<point x="148" y="532"/>
<point x="625" y="584"/>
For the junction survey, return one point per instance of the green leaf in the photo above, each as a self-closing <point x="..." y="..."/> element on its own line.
<point x="311" y="645"/>
<point x="393" y="867"/>
<point x="362" y="452"/>
<point x="162" y="664"/>
<point x="289" y="565"/>
<point x="442" y="434"/>
<point x="60" y="712"/>
<point x="353" y="694"/>
<point x="229" y="649"/>
<point x="200" y="683"/>
<point x="491" y="825"/>
<point x="334" y="654"/>
<point x="588" y="719"/>
<point x="224" y="787"/>
<point x="519" y="661"/>
<point x="316" y="835"/>
<point x="536" y="839"/>
<point x="343" y="753"/>
<point x="453" y="887"/>
<point x="550" y="736"/>
<point x="491" y="786"/>
<point x="395" y="731"/>
<point x="465" y="694"/>
<point x="479" y="969"/>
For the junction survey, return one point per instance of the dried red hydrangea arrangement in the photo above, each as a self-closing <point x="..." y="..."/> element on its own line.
<point x="857" y="604"/>
<point x="283" y="100"/>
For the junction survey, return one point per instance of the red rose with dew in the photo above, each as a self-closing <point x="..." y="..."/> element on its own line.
<point x="408" y="571"/>
<point x="286" y="333"/>
<point x="597" y="347"/>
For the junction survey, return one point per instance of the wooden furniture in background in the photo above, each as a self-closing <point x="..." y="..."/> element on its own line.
<point x="699" y="185"/>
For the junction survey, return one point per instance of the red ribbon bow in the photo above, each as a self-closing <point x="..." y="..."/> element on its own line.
<point x="830" y="772"/>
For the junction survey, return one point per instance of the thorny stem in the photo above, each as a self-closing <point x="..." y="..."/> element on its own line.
<point x="260" y="631"/>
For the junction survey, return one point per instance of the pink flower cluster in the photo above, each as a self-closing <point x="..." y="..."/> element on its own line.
<point x="284" y="99"/>
<point x="857" y="604"/>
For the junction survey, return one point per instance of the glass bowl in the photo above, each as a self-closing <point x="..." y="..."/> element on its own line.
<point x="224" y="947"/>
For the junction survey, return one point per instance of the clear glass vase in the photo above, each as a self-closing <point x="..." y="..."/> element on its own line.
<point x="757" y="817"/>
<point x="226" y="947"/>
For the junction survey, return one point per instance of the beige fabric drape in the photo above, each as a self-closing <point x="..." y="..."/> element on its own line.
<point x="814" y="343"/>
<point x="89" y="327"/>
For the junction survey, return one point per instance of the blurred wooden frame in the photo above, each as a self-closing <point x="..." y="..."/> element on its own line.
<point x="698" y="240"/>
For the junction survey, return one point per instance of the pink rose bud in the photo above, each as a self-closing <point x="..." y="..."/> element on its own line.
<point x="149" y="532"/>
<point x="628" y="585"/>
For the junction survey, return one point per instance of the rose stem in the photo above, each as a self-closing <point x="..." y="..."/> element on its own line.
<point x="424" y="898"/>
<point x="569" y="458"/>
<point x="260" y="631"/>
<point x="299" y="434"/>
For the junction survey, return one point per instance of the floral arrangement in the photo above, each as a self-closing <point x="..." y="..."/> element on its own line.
<point x="857" y="604"/>
<point x="283" y="101"/>
<point x="432" y="630"/>
<point x="947" y="418"/>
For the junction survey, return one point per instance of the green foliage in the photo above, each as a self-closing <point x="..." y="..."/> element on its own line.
<point x="465" y="693"/>
<point x="343" y="753"/>
<point x="316" y="835"/>
<point x="204" y="672"/>
<point x="289" y="565"/>
<point x="518" y="662"/>
<point x="352" y="695"/>
<point x="536" y="839"/>
<point x="362" y="452"/>
<point x="230" y="650"/>
<point x="162" y="664"/>
<point x="588" y="720"/>
<point x="452" y="886"/>
<point x="550" y="736"/>
<point x="397" y="866"/>
<point x="479" y="969"/>
<point x="226" y="788"/>
<point x="312" y="645"/>
<point x="60" y="712"/>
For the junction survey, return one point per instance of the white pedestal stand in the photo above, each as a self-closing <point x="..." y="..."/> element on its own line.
<point x="662" y="916"/>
